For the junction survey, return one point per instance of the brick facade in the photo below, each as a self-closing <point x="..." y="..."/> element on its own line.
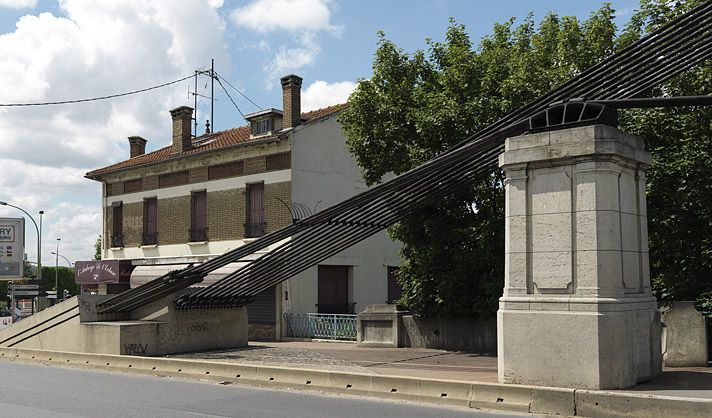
<point x="174" y="220"/>
<point x="108" y="221"/>
<point x="150" y="182"/>
<point x="226" y="209"/>
<point x="252" y="165"/>
<point x="198" y="174"/>
<point x="226" y="214"/>
<point x="133" y="224"/>
<point x="255" y="165"/>
<point x="276" y="214"/>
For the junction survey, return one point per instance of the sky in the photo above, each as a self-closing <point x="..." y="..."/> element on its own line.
<point x="54" y="50"/>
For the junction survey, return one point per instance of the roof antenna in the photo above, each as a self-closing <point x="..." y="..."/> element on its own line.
<point x="212" y="89"/>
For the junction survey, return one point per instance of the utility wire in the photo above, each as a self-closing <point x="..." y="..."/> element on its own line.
<point x="95" y="98"/>
<point x="230" y="97"/>
<point x="237" y="90"/>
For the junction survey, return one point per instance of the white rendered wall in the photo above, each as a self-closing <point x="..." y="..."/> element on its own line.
<point x="324" y="170"/>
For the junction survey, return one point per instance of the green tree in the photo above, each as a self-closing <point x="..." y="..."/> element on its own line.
<point x="416" y="106"/>
<point x="97" y="249"/>
<point x="679" y="183"/>
<point x="65" y="280"/>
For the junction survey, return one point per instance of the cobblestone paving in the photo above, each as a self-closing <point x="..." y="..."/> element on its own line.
<point x="277" y="356"/>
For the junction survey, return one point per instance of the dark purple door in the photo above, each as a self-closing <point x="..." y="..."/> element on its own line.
<point x="334" y="289"/>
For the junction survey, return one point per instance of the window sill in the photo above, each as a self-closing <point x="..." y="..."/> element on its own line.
<point x="192" y="243"/>
<point x="148" y="246"/>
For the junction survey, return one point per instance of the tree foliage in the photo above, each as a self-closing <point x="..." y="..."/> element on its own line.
<point x="679" y="182"/>
<point x="415" y="106"/>
<point x="97" y="249"/>
<point x="65" y="280"/>
<point x="418" y="105"/>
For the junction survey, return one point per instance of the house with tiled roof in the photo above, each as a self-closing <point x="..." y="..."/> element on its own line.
<point x="204" y="195"/>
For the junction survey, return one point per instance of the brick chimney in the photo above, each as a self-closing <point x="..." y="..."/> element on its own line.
<point x="291" y="100"/>
<point x="138" y="146"/>
<point x="182" y="121"/>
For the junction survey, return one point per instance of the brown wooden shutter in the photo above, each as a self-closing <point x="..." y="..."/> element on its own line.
<point x="118" y="214"/>
<point x="150" y="220"/>
<point x="200" y="210"/>
<point x="256" y="200"/>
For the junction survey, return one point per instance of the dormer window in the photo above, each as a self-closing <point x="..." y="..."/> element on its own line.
<point x="265" y="122"/>
<point x="261" y="127"/>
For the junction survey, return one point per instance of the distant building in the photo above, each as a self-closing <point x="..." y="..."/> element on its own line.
<point x="202" y="196"/>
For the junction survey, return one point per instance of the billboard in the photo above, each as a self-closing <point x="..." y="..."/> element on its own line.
<point x="12" y="248"/>
<point x="102" y="271"/>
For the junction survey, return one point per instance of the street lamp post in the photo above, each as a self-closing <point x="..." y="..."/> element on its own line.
<point x="65" y="259"/>
<point x="56" y="266"/>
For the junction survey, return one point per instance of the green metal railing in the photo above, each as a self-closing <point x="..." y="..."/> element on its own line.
<point x="315" y="325"/>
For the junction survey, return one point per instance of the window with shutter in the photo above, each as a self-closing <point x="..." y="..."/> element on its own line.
<point x="117" y="233"/>
<point x="150" y="221"/>
<point x="199" y="216"/>
<point x="255" y="226"/>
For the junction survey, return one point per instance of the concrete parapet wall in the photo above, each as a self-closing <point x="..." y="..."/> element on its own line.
<point x="380" y="326"/>
<point x="55" y="328"/>
<point x="156" y="329"/>
<point x="386" y="326"/>
<point x="685" y="336"/>
<point x="493" y="396"/>
<point x="465" y="334"/>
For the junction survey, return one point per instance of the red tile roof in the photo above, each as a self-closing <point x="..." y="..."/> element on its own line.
<point x="208" y="142"/>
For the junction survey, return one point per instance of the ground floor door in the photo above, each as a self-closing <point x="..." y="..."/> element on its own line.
<point x="334" y="290"/>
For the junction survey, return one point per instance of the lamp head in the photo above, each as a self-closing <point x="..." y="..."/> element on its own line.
<point x="3" y="203"/>
<point x="41" y="212"/>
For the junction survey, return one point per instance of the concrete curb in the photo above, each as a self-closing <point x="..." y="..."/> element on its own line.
<point x="492" y="396"/>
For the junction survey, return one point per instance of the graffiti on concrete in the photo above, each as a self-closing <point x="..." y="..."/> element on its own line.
<point x="173" y="334"/>
<point x="199" y="327"/>
<point x="135" y="349"/>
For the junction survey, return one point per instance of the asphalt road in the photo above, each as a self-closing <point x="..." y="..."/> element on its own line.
<point x="29" y="390"/>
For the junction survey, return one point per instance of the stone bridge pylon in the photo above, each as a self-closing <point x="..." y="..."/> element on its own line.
<point x="577" y="309"/>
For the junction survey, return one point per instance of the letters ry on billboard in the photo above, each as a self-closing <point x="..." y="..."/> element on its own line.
<point x="12" y="248"/>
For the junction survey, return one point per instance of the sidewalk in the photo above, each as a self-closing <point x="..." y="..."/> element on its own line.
<point x="347" y="357"/>
<point x="425" y="364"/>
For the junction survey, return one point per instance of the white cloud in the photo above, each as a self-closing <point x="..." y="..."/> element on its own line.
<point x="292" y="15"/>
<point x="302" y="19"/>
<point x="322" y="94"/>
<point x="93" y="49"/>
<point x="290" y="59"/>
<point x="18" y="4"/>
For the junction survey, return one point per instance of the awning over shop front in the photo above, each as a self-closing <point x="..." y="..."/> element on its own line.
<point x="144" y="274"/>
